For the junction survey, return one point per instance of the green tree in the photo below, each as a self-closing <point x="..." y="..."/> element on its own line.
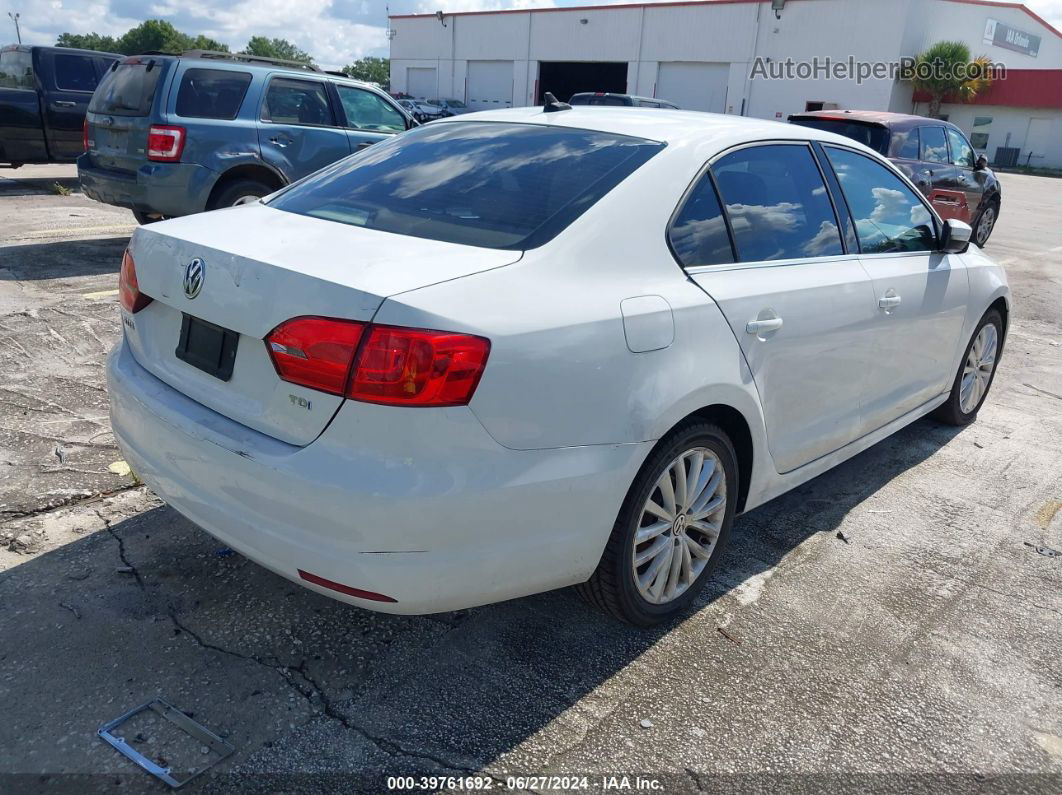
<point x="87" y="41"/>
<point x="276" y="48"/>
<point x="946" y="71"/>
<point x="371" y="69"/>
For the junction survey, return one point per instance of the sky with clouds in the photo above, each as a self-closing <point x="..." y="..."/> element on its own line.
<point x="335" y="32"/>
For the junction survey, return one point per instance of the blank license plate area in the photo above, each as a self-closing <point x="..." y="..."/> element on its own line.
<point x="207" y="347"/>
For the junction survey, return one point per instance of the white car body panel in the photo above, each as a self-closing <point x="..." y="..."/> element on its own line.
<point x="600" y="345"/>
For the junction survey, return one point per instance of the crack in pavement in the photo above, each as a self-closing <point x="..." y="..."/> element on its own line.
<point x="288" y="672"/>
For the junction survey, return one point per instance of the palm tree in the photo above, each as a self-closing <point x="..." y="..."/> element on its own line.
<point x="945" y="70"/>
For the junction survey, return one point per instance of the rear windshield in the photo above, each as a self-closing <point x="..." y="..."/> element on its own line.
<point x="128" y="89"/>
<point x="211" y="93"/>
<point x="873" y="135"/>
<point x="496" y="185"/>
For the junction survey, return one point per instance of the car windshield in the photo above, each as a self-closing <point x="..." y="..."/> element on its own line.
<point x="489" y="184"/>
<point x="873" y="135"/>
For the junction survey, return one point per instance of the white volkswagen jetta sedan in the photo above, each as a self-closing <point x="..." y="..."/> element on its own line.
<point x="525" y="349"/>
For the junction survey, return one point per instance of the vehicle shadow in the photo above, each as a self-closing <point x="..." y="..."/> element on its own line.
<point x="62" y="258"/>
<point x="13" y="185"/>
<point x="314" y="693"/>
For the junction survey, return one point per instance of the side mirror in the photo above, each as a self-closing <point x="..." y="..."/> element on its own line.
<point x="981" y="164"/>
<point x="955" y="237"/>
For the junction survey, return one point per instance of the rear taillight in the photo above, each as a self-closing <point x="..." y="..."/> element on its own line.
<point x="315" y="351"/>
<point x="165" y="143"/>
<point x="128" y="289"/>
<point x="84" y="136"/>
<point x="379" y="364"/>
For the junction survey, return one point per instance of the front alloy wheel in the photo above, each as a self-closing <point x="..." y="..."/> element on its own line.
<point x="978" y="368"/>
<point x="670" y="529"/>
<point x="985" y="224"/>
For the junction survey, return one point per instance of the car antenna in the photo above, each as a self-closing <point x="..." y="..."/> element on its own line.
<point x="552" y="105"/>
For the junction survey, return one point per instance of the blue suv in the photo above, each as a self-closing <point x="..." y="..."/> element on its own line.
<point x="169" y="135"/>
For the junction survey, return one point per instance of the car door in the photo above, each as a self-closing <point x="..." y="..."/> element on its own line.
<point x="944" y="192"/>
<point x="68" y="80"/>
<point x="801" y="308"/>
<point x="970" y="181"/>
<point x="368" y="116"/>
<point x="298" y="129"/>
<point x="21" y="130"/>
<point x="920" y="293"/>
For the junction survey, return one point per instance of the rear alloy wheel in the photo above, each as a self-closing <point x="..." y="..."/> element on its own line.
<point x="671" y="528"/>
<point x="241" y="191"/>
<point x="976" y="373"/>
<point x="985" y="224"/>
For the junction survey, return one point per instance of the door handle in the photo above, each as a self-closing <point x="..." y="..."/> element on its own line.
<point x="280" y="140"/>
<point x="363" y="145"/>
<point x="889" y="301"/>
<point x="62" y="103"/>
<point x="763" y="326"/>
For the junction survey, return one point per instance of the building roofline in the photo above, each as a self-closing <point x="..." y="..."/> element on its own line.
<point x="673" y="3"/>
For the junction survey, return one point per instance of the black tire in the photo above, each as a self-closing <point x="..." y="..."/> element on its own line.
<point x="951" y="412"/>
<point x="983" y="217"/>
<point x="612" y="588"/>
<point x="143" y="218"/>
<point x="238" y="190"/>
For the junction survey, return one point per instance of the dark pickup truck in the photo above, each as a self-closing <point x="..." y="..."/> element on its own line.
<point x="44" y="92"/>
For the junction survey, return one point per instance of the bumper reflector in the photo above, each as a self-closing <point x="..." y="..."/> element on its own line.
<point x="338" y="586"/>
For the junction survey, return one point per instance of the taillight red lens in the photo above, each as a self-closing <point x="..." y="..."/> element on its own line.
<point x="417" y="367"/>
<point x="84" y="135"/>
<point x="315" y="351"/>
<point x="391" y="365"/>
<point x="128" y="288"/>
<point x="165" y="143"/>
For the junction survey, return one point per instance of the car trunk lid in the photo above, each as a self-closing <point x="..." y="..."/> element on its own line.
<point x="260" y="267"/>
<point x="119" y="115"/>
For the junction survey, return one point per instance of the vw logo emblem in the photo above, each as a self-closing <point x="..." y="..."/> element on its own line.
<point x="194" y="273"/>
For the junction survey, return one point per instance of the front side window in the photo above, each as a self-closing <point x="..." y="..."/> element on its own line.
<point x="16" y="69"/>
<point x="368" y="111"/>
<point x="490" y="184"/>
<point x="698" y="235"/>
<point x="291" y="101"/>
<point x="889" y="216"/>
<point x="962" y="154"/>
<point x="934" y="145"/>
<point x="777" y="203"/>
<point x="75" y="73"/>
<point x="211" y="93"/>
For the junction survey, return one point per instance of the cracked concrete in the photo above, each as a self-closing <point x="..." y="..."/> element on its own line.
<point x="921" y="651"/>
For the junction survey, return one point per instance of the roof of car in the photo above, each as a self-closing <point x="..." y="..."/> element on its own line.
<point x="885" y="118"/>
<point x="657" y="124"/>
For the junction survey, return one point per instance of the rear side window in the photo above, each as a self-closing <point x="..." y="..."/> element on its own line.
<point x="16" y="69"/>
<point x="777" y="203"/>
<point x="906" y="145"/>
<point x="889" y="217"/>
<point x="297" y="102"/>
<point x="489" y="184"/>
<point x="698" y="235"/>
<point x="211" y="93"/>
<point x="75" y="72"/>
<point x="872" y="135"/>
<point x="128" y="90"/>
<point x="934" y="145"/>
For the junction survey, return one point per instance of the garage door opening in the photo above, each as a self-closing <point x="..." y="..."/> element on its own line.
<point x="564" y="78"/>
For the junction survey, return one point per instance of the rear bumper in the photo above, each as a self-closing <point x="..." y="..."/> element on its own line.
<point x="420" y="505"/>
<point x="170" y="189"/>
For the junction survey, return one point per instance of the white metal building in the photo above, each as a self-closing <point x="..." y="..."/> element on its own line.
<point x="701" y="54"/>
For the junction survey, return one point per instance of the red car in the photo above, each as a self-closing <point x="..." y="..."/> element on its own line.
<point x="935" y="155"/>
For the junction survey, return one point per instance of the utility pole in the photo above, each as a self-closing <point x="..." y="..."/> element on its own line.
<point x="15" y="16"/>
